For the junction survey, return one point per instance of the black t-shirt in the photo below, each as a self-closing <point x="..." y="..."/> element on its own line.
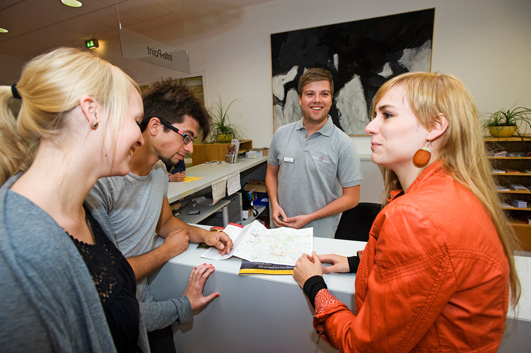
<point x="115" y="281"/>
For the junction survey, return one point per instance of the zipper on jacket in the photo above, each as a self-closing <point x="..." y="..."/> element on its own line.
<point x="319" y="336"/>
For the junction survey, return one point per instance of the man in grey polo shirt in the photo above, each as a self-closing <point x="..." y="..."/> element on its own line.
<point x="311" y="161"/>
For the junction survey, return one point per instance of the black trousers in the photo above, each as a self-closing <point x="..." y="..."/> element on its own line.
<point x="161" y="341"/>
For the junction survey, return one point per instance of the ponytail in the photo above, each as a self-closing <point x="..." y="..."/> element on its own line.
<point x="13" y="150"/>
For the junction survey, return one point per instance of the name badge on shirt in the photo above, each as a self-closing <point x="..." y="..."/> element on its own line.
<point x="288" y="159"/>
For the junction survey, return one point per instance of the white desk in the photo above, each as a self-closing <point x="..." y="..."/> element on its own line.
<point x="210" y="173"/>
<point x="270" y="313"/>
<point x="259" y="313"/>
<point x="205" y="210"/>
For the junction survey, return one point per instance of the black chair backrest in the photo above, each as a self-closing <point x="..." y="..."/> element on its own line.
<point x="356" y="223"/>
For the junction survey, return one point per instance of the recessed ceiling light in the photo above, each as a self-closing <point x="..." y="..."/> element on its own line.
<point x="72" y="3"/>
<point x="3" y="30"/>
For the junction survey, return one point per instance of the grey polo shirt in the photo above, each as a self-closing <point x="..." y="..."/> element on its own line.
<point x="313" y="170"/>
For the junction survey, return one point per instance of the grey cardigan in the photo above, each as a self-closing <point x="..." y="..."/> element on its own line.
<point x="49" y="302"/>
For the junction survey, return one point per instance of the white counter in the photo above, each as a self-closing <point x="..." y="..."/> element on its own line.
<point x="209" y="173"/>
<point x="258" y="313"/>
<point x="270" y="313"/>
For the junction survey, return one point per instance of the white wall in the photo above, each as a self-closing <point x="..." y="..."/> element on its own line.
<point x="484" y="42"/>
<point x="487" y="43"/>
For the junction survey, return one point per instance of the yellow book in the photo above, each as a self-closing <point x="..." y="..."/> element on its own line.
<point x="253" y="268"/>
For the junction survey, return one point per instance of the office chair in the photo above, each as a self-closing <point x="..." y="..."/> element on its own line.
<point x="356" y="223"/>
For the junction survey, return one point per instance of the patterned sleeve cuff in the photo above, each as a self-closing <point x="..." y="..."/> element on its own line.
<point x="323" y="300"/>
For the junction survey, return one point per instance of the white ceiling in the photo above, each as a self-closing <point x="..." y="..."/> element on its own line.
<point x="39" y="25"/>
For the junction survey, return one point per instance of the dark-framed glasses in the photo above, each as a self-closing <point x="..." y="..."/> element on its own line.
<point x="186" y="138"/>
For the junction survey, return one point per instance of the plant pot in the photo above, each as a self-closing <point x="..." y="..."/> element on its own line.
<point x="224" y="137"/>
<point x="502" y="131"/>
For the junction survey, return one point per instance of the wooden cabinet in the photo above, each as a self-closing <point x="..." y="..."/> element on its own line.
<point x="205" y="152"/>
<point x="511" y="163"/>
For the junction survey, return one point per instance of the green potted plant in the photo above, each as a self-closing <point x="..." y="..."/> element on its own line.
<point x="222" y="129"/>
<point x="507" y="122"/>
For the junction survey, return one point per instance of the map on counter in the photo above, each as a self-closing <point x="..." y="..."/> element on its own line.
<point x="256" y="243"/>
<point x="281" y="246"/>
<point x="233" y="231"/>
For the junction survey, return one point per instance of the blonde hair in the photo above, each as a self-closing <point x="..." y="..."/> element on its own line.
<point x="50" y="86"/>
<point x="462" y="148"/>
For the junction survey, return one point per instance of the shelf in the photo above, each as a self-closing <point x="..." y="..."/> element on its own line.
<point x="515" y="167"/>
<point x="205" y="210"/>
<point x="513" y="192"/>
<point x="507" y="139"/>
<point x="518" y="223"/>
<point x="512" y="158"/>
<point x="512" y="174"/>
<point x="260" y="210"/>
<point x="204" y="152"/>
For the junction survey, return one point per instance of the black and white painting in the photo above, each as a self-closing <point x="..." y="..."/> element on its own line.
<point x="361" y="55"/>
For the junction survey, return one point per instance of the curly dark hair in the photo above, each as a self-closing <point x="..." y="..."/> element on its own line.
<point x="171" y="100"/>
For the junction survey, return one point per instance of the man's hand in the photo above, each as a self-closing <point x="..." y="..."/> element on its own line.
<point x="220" y="240"/>
<point x="339" y="263"/>
<point x="296" y="222"/>
<point x="176" y="241"/>
<point x="196" y="284"/>
<point x="177" y="176"/>
<point x="279" y="216"/>
<point x="307" y="267"/>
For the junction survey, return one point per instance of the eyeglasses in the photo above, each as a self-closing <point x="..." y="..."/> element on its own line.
<point x="186" y="138"/>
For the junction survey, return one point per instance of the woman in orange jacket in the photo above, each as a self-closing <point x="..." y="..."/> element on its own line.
<point x="438" y="273"/>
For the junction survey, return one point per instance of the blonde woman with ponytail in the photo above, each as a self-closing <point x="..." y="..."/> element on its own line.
<point x="438" y="272"/>
<point x="65" y="286"/>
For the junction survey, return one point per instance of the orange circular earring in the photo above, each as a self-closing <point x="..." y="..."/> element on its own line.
<point x="422" y="156"/>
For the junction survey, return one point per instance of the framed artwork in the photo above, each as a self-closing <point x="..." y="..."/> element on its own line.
<point x="194" y="83"/>
<point x="361" y="55"/>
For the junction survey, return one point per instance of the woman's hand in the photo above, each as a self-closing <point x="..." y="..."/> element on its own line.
<point x="339" y="263"/>
<point x="306" y="267"/>
<point x="196" y="284"/>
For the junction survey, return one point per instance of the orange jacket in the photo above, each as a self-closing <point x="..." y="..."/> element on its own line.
<point x="432" y="278"/>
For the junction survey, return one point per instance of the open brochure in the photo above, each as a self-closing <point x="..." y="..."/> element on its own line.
<point x="256" y="243"/>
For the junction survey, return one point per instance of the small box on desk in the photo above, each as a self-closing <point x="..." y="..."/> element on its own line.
<point x="258" y="189"/>
<point x="519" y="204"/>
<point x="255" y="153"/>
<point x="261" y="201"/>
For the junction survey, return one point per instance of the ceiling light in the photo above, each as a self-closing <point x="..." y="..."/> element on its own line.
<point x="72" y="3"/>
<point x="3" y="30"/>
<point x="92" y="44"/>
